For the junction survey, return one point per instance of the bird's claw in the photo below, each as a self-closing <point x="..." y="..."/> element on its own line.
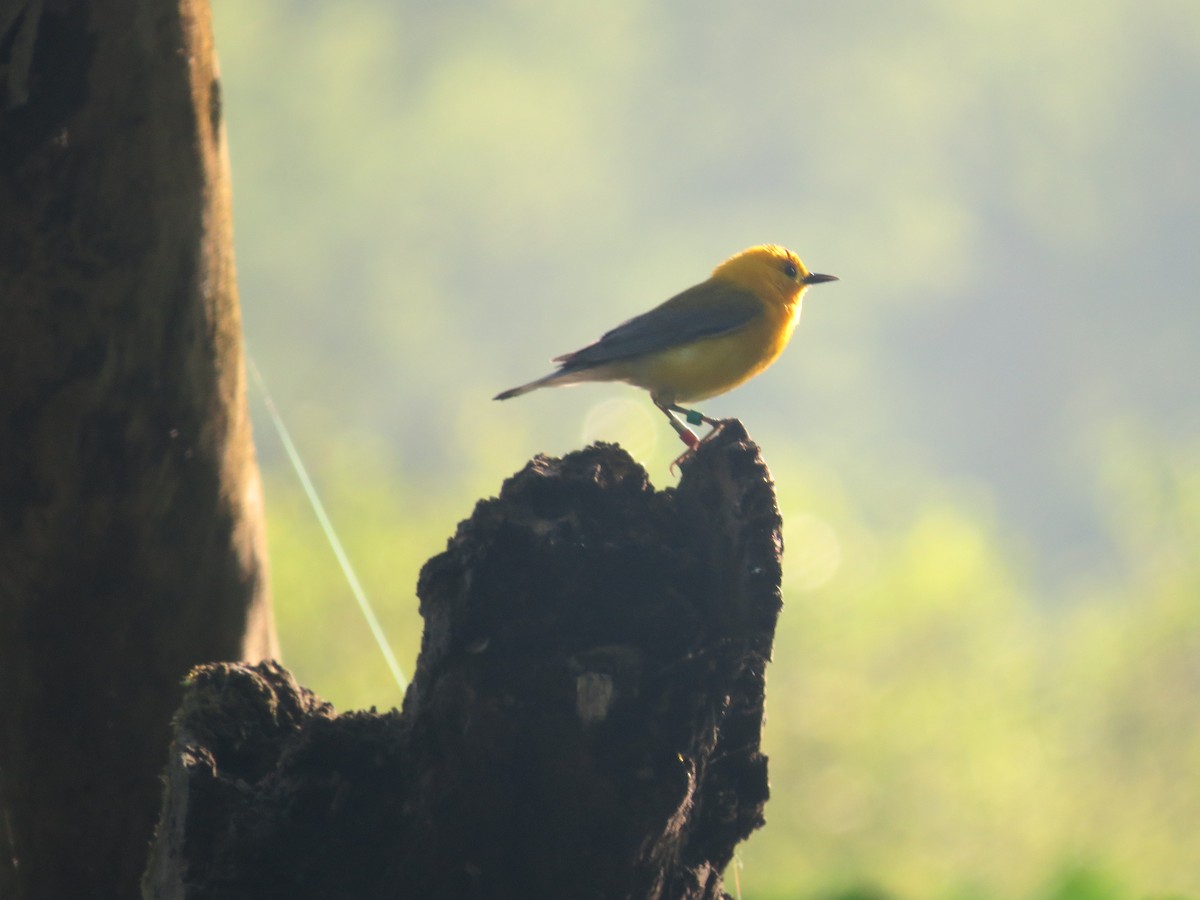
<point x="693" y="441"/>
<point x="717" y="425"/>
<point x="677" y="462"/>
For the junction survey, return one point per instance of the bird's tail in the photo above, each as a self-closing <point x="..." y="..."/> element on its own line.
<point x="545" y="381"/>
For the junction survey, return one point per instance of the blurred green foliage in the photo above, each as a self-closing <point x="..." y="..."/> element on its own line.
<point x="986" y="438"/>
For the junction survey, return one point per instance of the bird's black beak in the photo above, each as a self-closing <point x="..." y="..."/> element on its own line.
<point x="814" y="278"/>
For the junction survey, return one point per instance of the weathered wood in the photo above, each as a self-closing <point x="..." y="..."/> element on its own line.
<point x="584" y="720"/>
<point x="131" y="543"/>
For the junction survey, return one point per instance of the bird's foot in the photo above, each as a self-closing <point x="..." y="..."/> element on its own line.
<point x="692" y="441"/>
<point x="716" y="426"/>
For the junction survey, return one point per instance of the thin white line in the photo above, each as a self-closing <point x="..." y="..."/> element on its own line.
<point x="330" y="535"/>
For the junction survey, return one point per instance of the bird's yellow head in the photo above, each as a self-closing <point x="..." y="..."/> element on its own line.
<point x="770" y="271"/>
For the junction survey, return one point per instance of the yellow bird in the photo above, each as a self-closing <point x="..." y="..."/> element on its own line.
<point x="700" y="343"/>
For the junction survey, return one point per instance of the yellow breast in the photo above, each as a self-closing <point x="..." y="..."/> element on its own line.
<point x="713" y="366"/>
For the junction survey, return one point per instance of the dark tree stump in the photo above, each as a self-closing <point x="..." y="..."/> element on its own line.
<point x="584" y="720"/>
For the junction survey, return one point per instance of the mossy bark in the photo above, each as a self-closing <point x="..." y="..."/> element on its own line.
<point x="131" y="540"/>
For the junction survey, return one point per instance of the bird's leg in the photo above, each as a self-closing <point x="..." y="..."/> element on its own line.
<point x="695" y="417"/>
<point x="685" y="434"/>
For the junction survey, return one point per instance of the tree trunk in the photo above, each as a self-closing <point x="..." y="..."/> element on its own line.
<point x="584" y="720"/>
<point x="131" y="541"/>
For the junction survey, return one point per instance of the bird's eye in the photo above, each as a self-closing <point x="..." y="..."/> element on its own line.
<point x="790" y="270"/>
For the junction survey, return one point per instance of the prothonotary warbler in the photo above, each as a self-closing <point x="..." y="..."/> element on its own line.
<point x="700" y="343"/>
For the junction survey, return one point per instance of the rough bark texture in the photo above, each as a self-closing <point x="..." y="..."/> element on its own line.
<point x="130" y="525"/>
<point x="584" y="720"/>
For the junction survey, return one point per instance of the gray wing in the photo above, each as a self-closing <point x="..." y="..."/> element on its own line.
<point x="707" y="310"/>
